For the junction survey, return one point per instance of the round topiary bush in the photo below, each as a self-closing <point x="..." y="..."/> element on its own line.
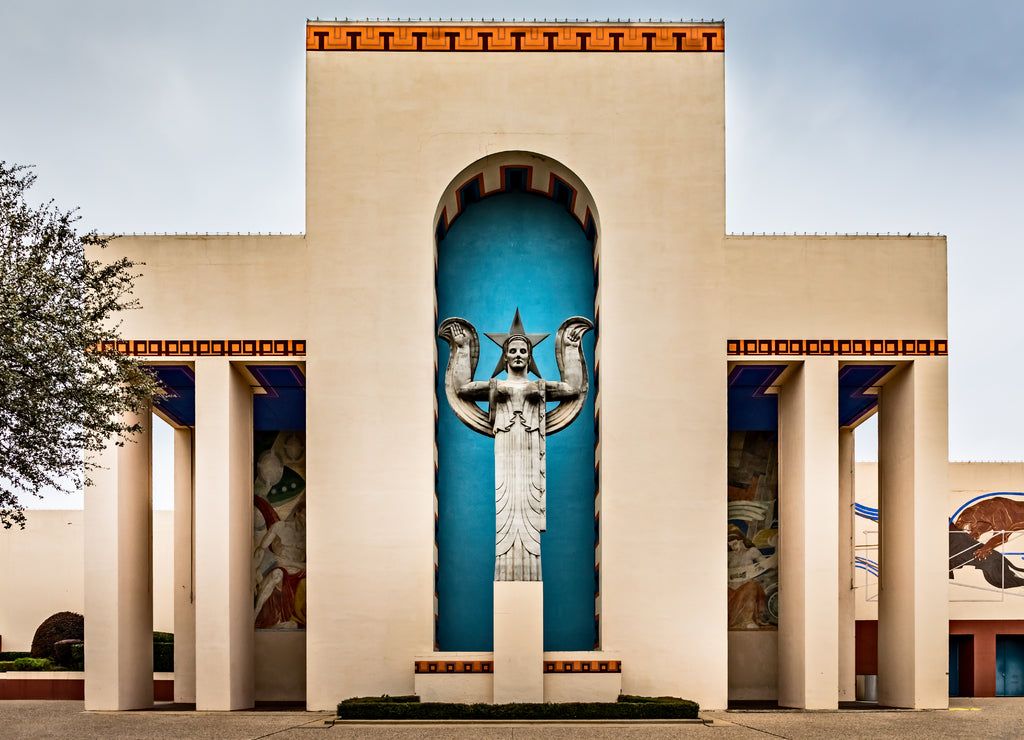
<point x="60" y="626"/>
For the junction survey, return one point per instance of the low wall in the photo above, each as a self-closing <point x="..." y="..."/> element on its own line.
<point x="66" y="685"/>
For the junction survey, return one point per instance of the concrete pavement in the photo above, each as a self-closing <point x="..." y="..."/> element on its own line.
<point x="970" y="718"/>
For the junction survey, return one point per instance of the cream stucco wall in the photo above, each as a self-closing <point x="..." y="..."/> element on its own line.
<point x="43" y="573"/>
<point x="215" y="287"/>
<point x="832" y="287"/>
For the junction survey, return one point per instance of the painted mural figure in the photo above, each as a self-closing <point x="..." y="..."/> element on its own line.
<point x="279" y="531"/>
<point x="753" y="563"/>
<point x="999" y="516"/>
<point x="518" y="418"/>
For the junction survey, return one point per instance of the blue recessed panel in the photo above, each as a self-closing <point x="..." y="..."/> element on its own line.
<point x="506" y="252"/>
<point x="751" y="407"/>
<point x="177" y="403"/>
<point x="858" y="392"/>
<point x="282" y="404"/>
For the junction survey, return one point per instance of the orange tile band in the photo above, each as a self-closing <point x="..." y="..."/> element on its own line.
<point x="487" y="666"/>
<point x="853" y="347"/>
<point x="583" y="666"/>
<point x="608" y="37"/>
<point x="209" y="347"/>
<point x="454" y="666"/>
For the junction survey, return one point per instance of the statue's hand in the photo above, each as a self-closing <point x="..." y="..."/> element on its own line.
<point x="574" y="335"/>
<point x="459" y="335"/>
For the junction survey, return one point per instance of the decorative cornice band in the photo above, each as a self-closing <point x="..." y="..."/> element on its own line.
<point x="502" y="37"/>
<point x="454" y="666"/>
<point x="846" y="347"/>
<point x="209" y="347"/>
<point x="487" y="666"/>
<point x="583" y="666"/>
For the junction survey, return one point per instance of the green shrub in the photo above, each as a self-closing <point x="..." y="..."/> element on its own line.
<point x="57" y="627"/>
<point x="163" y="657"/>
<point x="6" y="665"/>
<point x="163" y="637"/>
<point x="32" y="664"/>
<point x="62" y="654"/>
<point x="9" y="655"/>
<point x="78" y="656"/>
<point x="630" y="699"/>
<point x="625" y="708"/>
<point x="385" y="699"/>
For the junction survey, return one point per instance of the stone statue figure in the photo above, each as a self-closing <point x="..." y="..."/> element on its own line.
<point x="518" y="418"/>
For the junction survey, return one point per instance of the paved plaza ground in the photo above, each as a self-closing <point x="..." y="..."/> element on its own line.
<point x="967" y="718"/>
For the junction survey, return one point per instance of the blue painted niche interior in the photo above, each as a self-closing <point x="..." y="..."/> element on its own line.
<point x="508" y="251"/>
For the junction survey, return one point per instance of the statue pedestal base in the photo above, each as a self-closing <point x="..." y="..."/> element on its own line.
<point x="518" y="641"/>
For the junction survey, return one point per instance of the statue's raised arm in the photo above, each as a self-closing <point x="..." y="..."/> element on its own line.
<point x="572" y="366"/>
<point x="459" y="386"/>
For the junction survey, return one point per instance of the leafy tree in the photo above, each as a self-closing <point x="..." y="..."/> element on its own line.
<point x="63" y="386"/>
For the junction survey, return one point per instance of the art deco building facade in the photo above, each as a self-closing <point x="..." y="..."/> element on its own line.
<point x="473" y="170"/>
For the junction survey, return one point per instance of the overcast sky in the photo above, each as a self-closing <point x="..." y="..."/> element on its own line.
<point x="840" y="116"/>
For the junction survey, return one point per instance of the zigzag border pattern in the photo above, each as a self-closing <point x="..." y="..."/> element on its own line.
<point x="209" y="347"/>
<point x="852" y="347"/>
<point x="516" y="178"/>
<point x="499" y="37"/>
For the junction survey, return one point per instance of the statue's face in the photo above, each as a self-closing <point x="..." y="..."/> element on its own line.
<point x="517" y="355"/>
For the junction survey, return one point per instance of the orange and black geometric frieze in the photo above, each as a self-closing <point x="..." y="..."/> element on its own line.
<point x="583" y="666"/>
<point x="503" y="38"/>
<point x="454" y="666"/>
<point x="840" y="347"/>
<point x="210" y="347"/>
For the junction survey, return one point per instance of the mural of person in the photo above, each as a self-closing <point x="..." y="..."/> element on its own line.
<point x="753" y="530"/>
<point x="279" y="531"/>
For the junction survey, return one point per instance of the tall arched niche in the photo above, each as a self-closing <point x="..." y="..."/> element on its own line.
<point x="516" y="230"/>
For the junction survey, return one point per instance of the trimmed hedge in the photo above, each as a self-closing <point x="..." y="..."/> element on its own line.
<point x="10" y="655"/>
<point x="408" y="699"/>
<point x="64" y="654"/>
<point x="55" y="628"/>
<point x="163" y="657"/>
<point x="32" y="664"/>
<point x="78" y="655"/>
<point x="627" y="707"/>
<point x="163" y="652"/>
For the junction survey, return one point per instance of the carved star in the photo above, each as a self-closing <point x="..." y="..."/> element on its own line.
<point x="517" y="328"/>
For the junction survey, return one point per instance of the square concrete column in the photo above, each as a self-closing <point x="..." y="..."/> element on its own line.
<point x="847" y="595"/>
<point x="913" y="487"/>
<point x="808" y="536"/>
<point x="223" y="541"/>
<point x="184" y="586"/>
<point x="119" y="575"/>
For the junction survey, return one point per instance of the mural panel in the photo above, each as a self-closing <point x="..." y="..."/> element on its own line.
<point x="753" y="530"/>
<point x="985" y="549"/>
<point x="279" y="530"/>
